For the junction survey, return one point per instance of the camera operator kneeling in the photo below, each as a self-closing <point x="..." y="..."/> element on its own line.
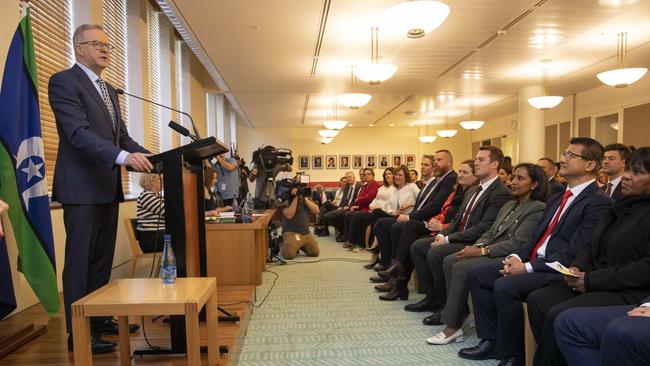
<point x="295" y="227"/>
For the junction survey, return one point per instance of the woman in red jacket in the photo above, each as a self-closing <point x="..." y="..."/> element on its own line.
<point x="353" y="227"/>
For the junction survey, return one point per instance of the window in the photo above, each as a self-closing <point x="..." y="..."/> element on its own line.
<point x="152" y="134"/>
<point x="51" y="28"/>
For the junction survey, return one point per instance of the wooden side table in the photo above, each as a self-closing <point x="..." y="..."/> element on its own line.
<point x="148" y="296"/>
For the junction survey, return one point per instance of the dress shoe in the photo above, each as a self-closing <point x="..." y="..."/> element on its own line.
<point x="376" y="279"/>
<point x="347" y="245"/>
<point x="374" y="250"/>
<point x="440" y="338"/>
<point x="420" y="306"/>
<point x="433" y="319"/>
<point x="485" y="350"/>
<point x="110" y="327"/>
<point x="340" y="239"/>
<point x="385" y="287"/>
<point x="391" y="272"/>
<point x="399" y="291"/>
<point x="380" y="267"/>
<point x="371" y="264"/>
<point x="323" y="231"/>
<point x="97" y="345"/>
<point x="511" y="361"/>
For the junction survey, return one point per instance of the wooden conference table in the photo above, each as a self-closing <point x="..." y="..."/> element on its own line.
<point x="236" y="252"/>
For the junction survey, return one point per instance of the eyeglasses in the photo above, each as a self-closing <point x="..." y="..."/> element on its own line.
<point x="100" y="45"/>
<point x="568" y="155"/>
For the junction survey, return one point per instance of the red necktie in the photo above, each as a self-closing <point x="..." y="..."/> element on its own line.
<point x="550" y="228"/>
<point x="468" y="210"/>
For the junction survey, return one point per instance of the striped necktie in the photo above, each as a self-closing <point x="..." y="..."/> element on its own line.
<point x="107" y="101"/>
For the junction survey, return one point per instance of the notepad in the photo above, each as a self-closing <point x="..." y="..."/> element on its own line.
<point x="560" y="268"/>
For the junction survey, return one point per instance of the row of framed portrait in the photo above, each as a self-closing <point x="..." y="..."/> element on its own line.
<point x="354" y="161"/>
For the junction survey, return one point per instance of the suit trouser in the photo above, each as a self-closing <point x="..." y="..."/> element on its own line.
<point x="381" y="229"/>
<point x="326" y="207"/>
<point x="89" y="249"/>
<point x="456" y="307"/>
<point x="412" y="230"/>
<point x="336" y="218"/>
<point x="603" y="336"/>
<point x="544" y="305"/>
<point x="428" y="267"/>
<point x="356" y="226"/>
<point x="497" y="303"/>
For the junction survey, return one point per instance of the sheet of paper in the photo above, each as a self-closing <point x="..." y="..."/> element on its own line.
<point x="560" y="268"/>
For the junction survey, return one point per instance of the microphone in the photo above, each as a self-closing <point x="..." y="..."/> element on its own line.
<point x="194" y="137"/>
<point x="182" y="130"/>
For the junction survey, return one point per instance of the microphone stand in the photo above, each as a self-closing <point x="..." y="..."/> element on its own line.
<point x="196" y="131"/>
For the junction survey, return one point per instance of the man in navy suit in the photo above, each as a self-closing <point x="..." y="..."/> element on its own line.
<point x="93" y="145"/>
<point x="548" y="165"/>
<point x="498" y="290"/>
<point x="614" y="167"/>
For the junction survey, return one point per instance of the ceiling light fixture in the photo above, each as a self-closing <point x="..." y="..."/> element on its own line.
<point x="335" y="124"/>
<point x="623" y="76"/>
<point x="353" y="100"/>
<point x="326" y="140"/>
<point x="328" y="133"/>
<point x="375" y="73"/>
<point x="447" y="132"/>
<point x="428" y="137"/>
<point x="545" y="101"/>
<point x="472" y="123"/>
<point x="415" y="18"/>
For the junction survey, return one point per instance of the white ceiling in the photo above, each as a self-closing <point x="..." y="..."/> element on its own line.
<point x="263" y="50"/>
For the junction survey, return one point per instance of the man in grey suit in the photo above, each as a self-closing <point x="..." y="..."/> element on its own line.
<point x="475" y="216"/>
<point x="93" y="145"/>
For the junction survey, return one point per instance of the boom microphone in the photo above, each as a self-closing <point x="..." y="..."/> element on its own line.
<point x="180" y="129"/>
<point x="194" y="137"/>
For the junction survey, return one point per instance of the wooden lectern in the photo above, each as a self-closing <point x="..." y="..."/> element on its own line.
<point x="185" y="217"/>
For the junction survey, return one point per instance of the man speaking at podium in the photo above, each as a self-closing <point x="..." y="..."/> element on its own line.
<point x="93" y="144"/>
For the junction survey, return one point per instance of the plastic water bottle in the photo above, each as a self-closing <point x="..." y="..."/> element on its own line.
<point x="168" y="262"/>
<point x="235" y="205"/>
<point x="247" y="210"/>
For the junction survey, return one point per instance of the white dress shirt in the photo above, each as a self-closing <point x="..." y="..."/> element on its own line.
<point x="121" y="157"/>
<point x="405" y="197"/>
<point x="615" y="184"/>
<point x="383" y="200"/>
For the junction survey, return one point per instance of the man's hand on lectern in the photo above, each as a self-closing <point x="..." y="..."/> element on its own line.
<point x="139" y="162"/>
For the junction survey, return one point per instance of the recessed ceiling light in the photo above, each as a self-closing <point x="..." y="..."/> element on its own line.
<point x="350" y="125"/>
<point x="371" y="125"/>
<point x="391" y="125"/>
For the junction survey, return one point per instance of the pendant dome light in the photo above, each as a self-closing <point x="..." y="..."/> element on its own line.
<point x="472" y="123"/>
<point x="416" y="18"/>
<point x="353" y="100"/>
<point x="447" y="132"/>
<point x="545" y="102"/>
<point x="374" y="73"/>
<point x="623" y="76"/>
<point x="427" y="137"/>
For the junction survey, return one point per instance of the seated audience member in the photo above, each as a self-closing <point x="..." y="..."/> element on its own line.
<point x="150" y="212"/>
<point x="614" y="167"/>
<point x="608" y="335"/>
<point x="475" y="216"/>
<point x="414" y="178"/>
<point x="353" y="229"/>
<point x="551" y="171"/>
<point x="466" y="180"/>
<point x="611" y="269"/>
<point x="513" y="226"/>
<point x="498" y="290"/>
<point x="384" y="205"/>
<point x="504" y="175"/>
<point x="213" y="202"/>
<point x="295" y="227"/>
<point x="336" y="217"/>
<point x="318" y="195"/>
<point x="558" y="177"/>
<point x="408" y="228"/>
<point x="228" y="178"/>
<point x="404" y="200"/>
<point x="327" y="206"/>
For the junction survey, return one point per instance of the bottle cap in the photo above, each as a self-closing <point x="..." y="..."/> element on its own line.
<point x="167" y="237"/>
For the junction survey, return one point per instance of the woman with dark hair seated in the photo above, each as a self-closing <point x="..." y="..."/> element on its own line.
<point x="612" y="269"/>
<point x="150" y="211"/>
<point x="213" y="201"/>
<point x="513" y="226"/>
<point x="382" y="206"/>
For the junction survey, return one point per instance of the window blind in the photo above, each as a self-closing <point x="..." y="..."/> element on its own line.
<point x="51" y="29"/>
<point x="153" y="77"/>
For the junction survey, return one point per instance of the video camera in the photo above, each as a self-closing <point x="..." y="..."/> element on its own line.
<point x="268" y="157"/>
<point x="283" y="187"/>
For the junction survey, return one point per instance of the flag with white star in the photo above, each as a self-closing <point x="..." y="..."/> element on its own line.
<point x="22" y="175"/>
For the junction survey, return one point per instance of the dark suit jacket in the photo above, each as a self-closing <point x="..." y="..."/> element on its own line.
<point x="572" y="232"/>
<point x="617" y="194"/>
<point x="85" y="171"/>
<point x="512" y="230"/>
<point x="436" y="199"/>
<point x="556" y="187"/>
<point x="482" y="216"/>
<point x="618" y="256"/>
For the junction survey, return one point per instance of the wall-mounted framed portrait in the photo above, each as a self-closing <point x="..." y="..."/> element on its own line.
<point x="317" y="161"/>
<point x="344" y="161"/>
<point x="330" y="161"/>
<point x="371" y="161"/>
<point x="410" y="160"/>
<point x="357" y="161"/>
<point x="303" y="162"/>
<point x="397" y="160"/>
<point x="384" y="161"/>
